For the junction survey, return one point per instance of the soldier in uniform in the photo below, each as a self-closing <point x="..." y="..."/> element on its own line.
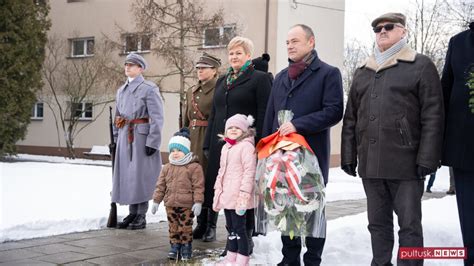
<point x="137" y="129"/>
<point x="196" y="112"/>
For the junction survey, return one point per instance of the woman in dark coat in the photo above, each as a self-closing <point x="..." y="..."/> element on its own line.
<point x="243" y="90"/>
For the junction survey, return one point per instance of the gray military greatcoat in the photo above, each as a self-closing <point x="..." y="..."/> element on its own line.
<point x="135" y="173"/>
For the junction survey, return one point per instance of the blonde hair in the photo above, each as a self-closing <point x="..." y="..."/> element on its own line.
<point x="243" y="42"/>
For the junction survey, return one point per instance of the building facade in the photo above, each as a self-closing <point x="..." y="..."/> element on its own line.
<point x="82" y="24"/>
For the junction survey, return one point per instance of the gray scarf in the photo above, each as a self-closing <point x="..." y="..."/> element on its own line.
<point x="381" y="57"/>
<point x="183" y="161"/>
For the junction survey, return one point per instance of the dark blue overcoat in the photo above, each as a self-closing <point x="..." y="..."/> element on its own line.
<point x="316" y="99"/>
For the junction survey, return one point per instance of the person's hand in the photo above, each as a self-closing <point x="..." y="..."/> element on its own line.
<point x="112" y="147"/>
<point x="154" y="208"/>
<point x="197" y="207"/>
<point x="350" y="169"/>
<point x="423" y="171"/>
<point x="206" y="153"/>
<point x="286" y="129"/>
<point x="149" y="150"/>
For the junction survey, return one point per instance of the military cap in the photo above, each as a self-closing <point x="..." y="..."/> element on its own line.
<point x="391" y="17"/>
<point x="207" y="60"/>
<point x="133" y="58"/>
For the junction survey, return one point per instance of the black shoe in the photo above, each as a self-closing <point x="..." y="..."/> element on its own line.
<point x="210" y="235"/>
<point x="126" y="221"/>
<point x="174" y="252"/>
<point x="186" y="252"/>
<point x="451" y="192"/>
<point x="428" y="190"/>
<point x="138" y="223"/>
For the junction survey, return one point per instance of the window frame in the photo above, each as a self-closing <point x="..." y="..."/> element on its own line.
<point x="221" y="36"/>
<point x="83" y="110"/>
<point x="34" y="111"/>
<point x="85" y="46"/>
<point x="139" y="37"/>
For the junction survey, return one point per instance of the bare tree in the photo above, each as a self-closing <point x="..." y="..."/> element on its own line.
<point x="76" y="86"/>
<point x="177" y="28"/>
<point x="429" y="29"/>
<point x="462" y="11"/>
<point x="354" y="53"/>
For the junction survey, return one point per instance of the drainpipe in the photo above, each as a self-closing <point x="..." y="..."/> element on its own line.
<point x="267" y="14"/>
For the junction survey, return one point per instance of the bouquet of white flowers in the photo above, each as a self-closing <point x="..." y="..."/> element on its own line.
<point x="290" y="187"/>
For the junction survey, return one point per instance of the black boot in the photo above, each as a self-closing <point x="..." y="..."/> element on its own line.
<point x="210" y="235"/>
<point x="138" y="223"/>
<point x="174" y="252"/>
<point x="201" y="227"/>
<point x="126" y="221"/>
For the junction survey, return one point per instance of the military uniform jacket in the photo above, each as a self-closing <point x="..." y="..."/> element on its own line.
<point x="203" y="94"/>
<point x="134" y="178"/>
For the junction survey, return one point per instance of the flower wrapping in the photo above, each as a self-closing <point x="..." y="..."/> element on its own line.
<point x="290" y="190"/>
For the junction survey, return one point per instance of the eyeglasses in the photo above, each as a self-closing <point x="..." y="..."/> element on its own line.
<point x="387" y="27"/>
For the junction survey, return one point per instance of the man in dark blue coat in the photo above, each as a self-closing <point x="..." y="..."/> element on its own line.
<point x="458" y="147"/>
<point x="312" y="90"/>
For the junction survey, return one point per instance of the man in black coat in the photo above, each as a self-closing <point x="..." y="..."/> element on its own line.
<point x="393" y="130"/>
<point x="458" y="146"/>
<point x="312" y="90"/>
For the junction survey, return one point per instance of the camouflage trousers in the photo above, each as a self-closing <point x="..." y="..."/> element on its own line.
<point x="180" y="224"/>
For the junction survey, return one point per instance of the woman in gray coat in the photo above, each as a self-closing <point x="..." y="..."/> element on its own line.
<point x="138" y="125"/>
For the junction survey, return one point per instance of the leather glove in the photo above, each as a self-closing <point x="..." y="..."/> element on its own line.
<point x="206" y="153"/>
<point x="197" y="207"/>
<point x="423" y="171"/>
<point x="350" y="169"/>
<point x="149" y="150"/>
<point x="112" y="147"/>
<point x="154" y="208"/>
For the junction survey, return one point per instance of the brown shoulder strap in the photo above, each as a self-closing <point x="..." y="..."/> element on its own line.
<point x="195" y="107"/>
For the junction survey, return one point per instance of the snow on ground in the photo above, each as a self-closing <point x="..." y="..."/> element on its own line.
<point x="44" y="195"/>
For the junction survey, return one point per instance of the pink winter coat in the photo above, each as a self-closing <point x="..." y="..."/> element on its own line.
<point x="234" y="187"/>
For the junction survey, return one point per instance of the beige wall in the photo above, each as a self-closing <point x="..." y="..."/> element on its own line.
<point x="100" y="18"/>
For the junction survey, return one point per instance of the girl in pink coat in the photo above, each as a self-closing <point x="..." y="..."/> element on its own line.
<point x="234" y="187"/>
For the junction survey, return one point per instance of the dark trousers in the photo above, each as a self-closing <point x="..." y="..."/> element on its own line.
<point x="431" y="181"/>
<point x="383" y="198"/>
<point x="292" y="249"/>
<point x="237" y="241"/>
<point x="464" y="182"/>
<point x="180" y="224"/>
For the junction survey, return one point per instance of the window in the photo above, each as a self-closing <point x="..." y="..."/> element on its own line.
<point x="37" y="111"/>
<point x="218" y="37"/>
<point x="137" y="43"/>
<point x="82" y="47"/>
<point x="82" y="110"/>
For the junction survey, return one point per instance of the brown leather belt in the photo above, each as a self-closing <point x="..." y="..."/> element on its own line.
<point x="198" y="123"/>
<point x="120" y="122"/>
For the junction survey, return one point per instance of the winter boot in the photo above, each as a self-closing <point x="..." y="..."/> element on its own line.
<point x="201" y="227"/>
<point x="242" y="260"/>
<point x="138" y="223"/>
<point x="210" y="235"/>
<point x="174" y="252"/>
<point x="126" y="221"/>
<point x="186" y="251"/>
<point x="229" y="258"/>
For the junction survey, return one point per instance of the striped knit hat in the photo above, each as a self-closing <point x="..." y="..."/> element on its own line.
<point x="180" y="141"/>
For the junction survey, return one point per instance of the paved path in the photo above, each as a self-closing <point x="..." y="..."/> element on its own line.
<point x="125" y="247"/>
